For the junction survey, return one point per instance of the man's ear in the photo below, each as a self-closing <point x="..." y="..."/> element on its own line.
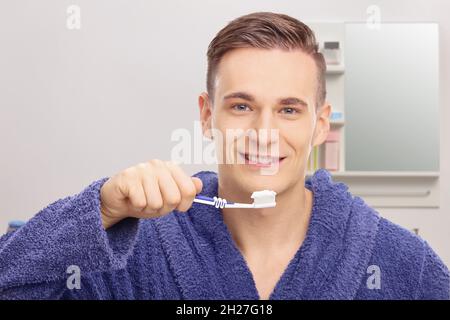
<point x="322" y="125"/>
<point x="205" y="107"/>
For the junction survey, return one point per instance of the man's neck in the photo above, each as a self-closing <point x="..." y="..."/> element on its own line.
<point x="269" y="229"/>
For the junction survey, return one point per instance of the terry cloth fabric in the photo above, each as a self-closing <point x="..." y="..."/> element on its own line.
<point x="349" y="252"/>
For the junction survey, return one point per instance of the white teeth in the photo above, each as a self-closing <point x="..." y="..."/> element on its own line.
<point x="265" y="160"/>
<point x="262" y="160"/>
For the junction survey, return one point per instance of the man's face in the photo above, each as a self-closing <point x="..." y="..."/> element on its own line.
<point x="259" y="90"/>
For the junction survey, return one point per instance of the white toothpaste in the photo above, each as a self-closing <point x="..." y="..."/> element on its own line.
<point x="263" y="197"/>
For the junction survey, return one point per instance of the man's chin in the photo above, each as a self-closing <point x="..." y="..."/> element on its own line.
<point x="264" y="174"/>
<point x="254" y="182"/>
<point x="249" y="180"/>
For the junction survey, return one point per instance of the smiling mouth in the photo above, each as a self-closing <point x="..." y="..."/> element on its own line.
<point x="260" y="160"/>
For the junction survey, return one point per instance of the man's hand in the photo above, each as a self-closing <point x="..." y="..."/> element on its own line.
<point x="150" y="189"/>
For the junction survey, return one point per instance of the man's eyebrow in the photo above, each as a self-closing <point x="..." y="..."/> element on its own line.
<point x="249" y="97"/>
<point x="239" y="95"/>
<point x="293" y="101"/>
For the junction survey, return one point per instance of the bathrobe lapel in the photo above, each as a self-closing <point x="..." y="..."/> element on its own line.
<point x="189" y="257"/>
<point x="334" y="256"/>
<point x="203" y="259"/>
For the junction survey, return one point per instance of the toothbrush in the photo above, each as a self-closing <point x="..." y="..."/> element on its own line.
<point x="261" y="199"/>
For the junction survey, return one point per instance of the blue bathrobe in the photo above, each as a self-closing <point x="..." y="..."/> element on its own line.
<point x="349" y="252"/>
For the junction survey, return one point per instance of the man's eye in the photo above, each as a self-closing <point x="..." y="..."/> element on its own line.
<point x="240" y="107"/>
<point x="289" y="110"/>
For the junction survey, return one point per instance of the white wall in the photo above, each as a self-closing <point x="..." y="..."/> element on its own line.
<point x="77" y="105"/>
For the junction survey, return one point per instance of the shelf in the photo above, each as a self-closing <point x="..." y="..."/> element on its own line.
<point x="335" y="69"/>
<point x="338" y="123"/>
<point x="388" y="174"/>
<point x="393" y="189"/>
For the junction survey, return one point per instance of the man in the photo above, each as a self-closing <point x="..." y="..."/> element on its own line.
<point x="319" y="242"/>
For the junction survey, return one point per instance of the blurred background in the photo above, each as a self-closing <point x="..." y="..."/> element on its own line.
<point x="90" y="87"/>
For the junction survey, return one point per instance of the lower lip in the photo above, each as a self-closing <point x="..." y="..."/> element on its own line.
<point x="262" y="165"/>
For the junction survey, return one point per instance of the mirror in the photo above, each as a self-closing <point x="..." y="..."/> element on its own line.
<point x="391" y="97"/>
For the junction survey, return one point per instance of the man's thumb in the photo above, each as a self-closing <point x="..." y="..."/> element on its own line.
<point x="198" y="184"/>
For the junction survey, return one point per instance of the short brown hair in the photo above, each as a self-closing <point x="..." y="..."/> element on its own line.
<point x="265" y="30"/>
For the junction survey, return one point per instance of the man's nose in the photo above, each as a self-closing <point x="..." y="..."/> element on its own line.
<point x="265" y="128"/>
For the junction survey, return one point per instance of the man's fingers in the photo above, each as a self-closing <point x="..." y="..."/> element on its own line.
<point x="185" y="185"/>
<point x="169" y="190"/>
<point x="137" y="197"/>
<point x="147" y="190"/>
<point x="152" y="194"/>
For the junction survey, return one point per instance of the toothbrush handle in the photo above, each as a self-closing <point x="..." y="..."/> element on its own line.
<point x="200" y="197"/>
<point x="211" y="201"/>
<point x="219" y="203"/>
